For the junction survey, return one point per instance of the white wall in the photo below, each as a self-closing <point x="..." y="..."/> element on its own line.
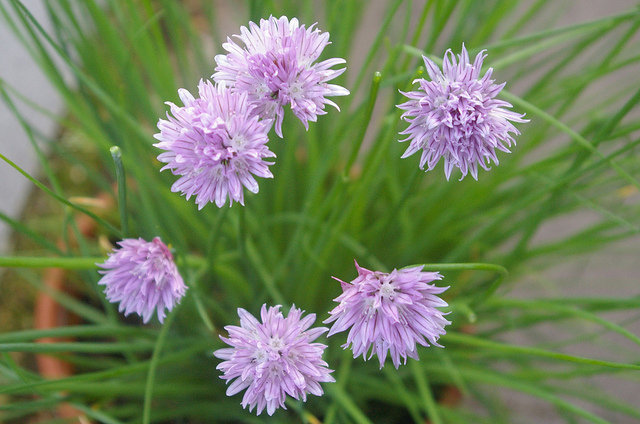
<point x="19" y="71"/>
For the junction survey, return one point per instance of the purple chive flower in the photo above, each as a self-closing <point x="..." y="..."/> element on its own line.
<point x="456" y="116"/>
<point x="216" y="144"/>
<point x="273" y="358"/>
<point x="142" y="276"/>
<point x="276" y="67"/>
<point x="389" y="313"/>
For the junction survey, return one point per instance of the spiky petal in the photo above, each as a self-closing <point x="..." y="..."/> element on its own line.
<point x="143" y="277"/>
<point x="273" y="358"/>
<point x="456" y="116"/>
<point x="389" y="313"/>
<point x="216" y="143"/>
<point x="277" y="68"/>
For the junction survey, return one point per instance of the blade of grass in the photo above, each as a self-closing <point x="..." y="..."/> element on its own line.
<point x="61" y="199"/>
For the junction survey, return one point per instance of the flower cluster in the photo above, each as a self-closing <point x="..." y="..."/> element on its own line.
<point x="277" y="67"/>
<point x="142" y="276"/>
<point x="215" y="144"/>
<point x="456" y="116"/>
<point x="390" y="313"/>
<point x="273" y="358"/>
<point x="217" y="141"/>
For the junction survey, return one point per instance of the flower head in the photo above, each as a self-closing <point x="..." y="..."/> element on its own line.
<point x="142" y="276"/>
<point x="389" y="313"/>
<point x="216" y="144"/>
<point x="277" y="67"/>
<point x="273" y="358"/>
<point x="456" y="116"/>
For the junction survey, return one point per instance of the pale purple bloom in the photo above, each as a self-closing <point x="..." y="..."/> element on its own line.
<point x="273" y="358"/>
<point x="142" y="276"/>
<point x="390" y="313"/>
<point x="216" y="144"/>
<point x="277" y="67"/>
<point x="457" y="117"/>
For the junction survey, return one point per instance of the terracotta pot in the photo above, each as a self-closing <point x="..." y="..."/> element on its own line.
<point x="50" y="314"/>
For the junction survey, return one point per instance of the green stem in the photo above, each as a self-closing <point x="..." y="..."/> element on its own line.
<point x="88" y="262"/>
<point x="194" y="347"/>
<point x="395" y="209"/>
<point x="425" y="392"/>
<point x="81" y="331"/>
<point x="116" y="154"/>
<point x="153" y="366"/>
<point x="213" y="236"/>
<point x="194" y="283"/>
<point x="76" y="347"/>
<point x="61" y="199"/>
<point x="342" y="397"/>
<point x="373" y="95"/>
<point x="407" y="396"/>
<point x="342" y="376"/>
<point x="544" y="305"/>
<point x="478" y="266"/>
<point x="549" y="119"/>
<point x="64" y="263"/>
<point x="464" y="339"/>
